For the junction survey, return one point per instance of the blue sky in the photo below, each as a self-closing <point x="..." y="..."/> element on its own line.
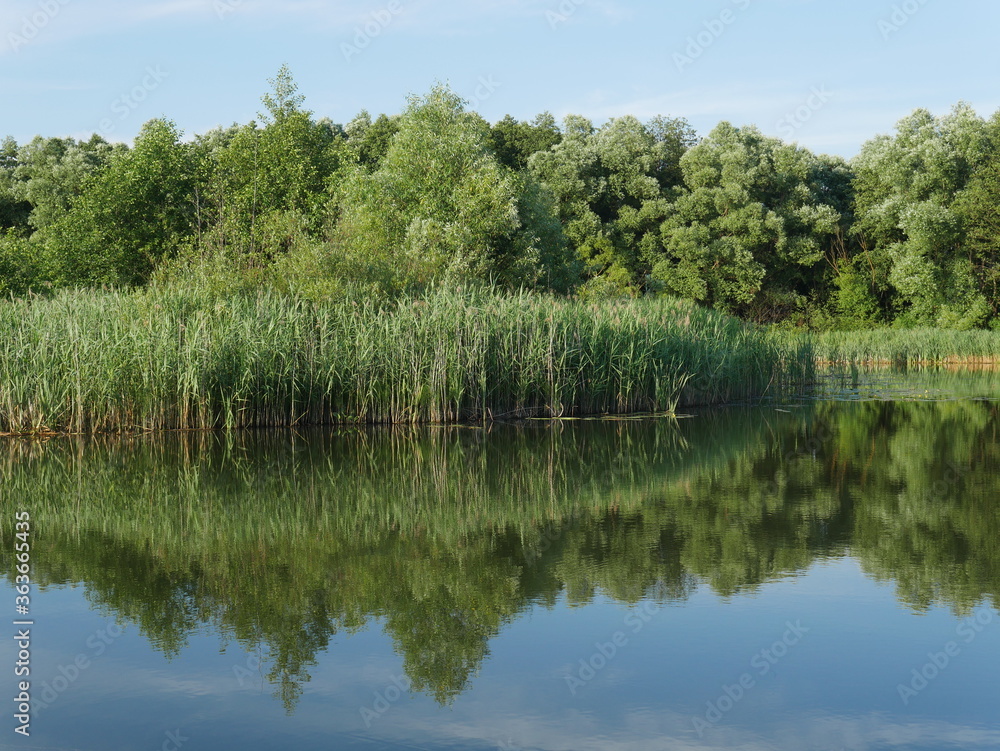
<point x="826" y="74"/>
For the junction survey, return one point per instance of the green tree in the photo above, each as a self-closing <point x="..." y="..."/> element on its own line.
<point x="369" y="141"/>
<point x="976" y="205"/>
<point x="440" y="206"/>
<point x="905" y="192"/>
<point x="263" y="189"/>
<point x="136" y="211"/>
<point x="612" y="186"/>
<point x="749" y="231"/>
<point x="51" y="173"/>
<point x="515" y="141"/>
<point x="14" y="210"/>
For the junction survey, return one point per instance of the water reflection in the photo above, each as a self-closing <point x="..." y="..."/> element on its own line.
<point x="442" y="536"/>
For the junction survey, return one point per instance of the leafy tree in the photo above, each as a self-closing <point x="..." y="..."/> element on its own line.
<point x="440" y="206"/>
<point x="751" y="227"/>
<point x="52" y="172"/>
<point x="905" y="192"/>
<point x="976" y="205"/>
<point x="369" y="141"/>
<point x="612" y="186"/>
<point x="515" y="141"/>
<point x="262" y="189"/>
<point x="285" y="100"/>
<point x="136" y="211"/>
<point x="20" y="269"/>
<point x="14" y="211"/>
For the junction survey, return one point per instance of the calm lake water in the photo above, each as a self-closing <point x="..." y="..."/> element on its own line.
<point x="820" y="572"/>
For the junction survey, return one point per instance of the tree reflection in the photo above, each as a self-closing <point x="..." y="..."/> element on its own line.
<point x="282" y="541"/>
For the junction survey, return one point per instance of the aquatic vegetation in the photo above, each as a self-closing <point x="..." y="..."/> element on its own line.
<point x="169" y="358"/>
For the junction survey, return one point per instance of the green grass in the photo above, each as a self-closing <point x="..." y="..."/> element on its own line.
<point x="902" y="346"/>
<point x="95" y="361"/>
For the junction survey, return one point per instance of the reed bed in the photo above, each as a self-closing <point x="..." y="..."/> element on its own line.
<point x="904" y="347"/>
<point x="168" y="358"/>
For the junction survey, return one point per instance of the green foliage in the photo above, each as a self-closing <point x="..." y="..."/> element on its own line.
<point x="752" y="225"/>
<point x="133" y="213"/>
<point x="515" y="141"/>
<point x="51" y="173"/>
<point x="19" y="267"/>
<point x="611" y="184"/>
<point x="205" y="355"/>
<point x="259" y="189"/>
<point x="905" y="202"/>
<point x="369" y="141"/>
<point x="14" y="211"/>
<point x="738" y="221"/>
<point x="977" y="206"/>
<point x="854" y="301"/>
<point x="440" y="207"/>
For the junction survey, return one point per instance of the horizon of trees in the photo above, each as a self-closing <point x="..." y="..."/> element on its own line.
<point x="906" y="233"/>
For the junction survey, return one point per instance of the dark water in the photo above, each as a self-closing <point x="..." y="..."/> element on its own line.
<point x="813" y="573"/>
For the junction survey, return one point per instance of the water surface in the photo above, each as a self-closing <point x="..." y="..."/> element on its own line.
<point x="820" y="572"/>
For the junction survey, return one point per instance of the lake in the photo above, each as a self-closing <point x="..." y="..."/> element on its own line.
<point x="818" y="571"/>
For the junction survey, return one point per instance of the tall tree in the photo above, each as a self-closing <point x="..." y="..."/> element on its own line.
<point x="14" y="210"/>
<point x="905" y="189"/>
<point x="264" y="186"/>
<point x="136" y="211"/>
<point x="751" y="226"/>
<point x="515" y="141"/>
<point x="441" y="206"/>
<point x="612" y="186"/>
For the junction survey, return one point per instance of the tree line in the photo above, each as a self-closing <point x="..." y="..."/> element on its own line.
<point x="904" y="234"/>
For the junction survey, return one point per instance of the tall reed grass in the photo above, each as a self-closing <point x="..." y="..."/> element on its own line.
<point x="903" y="346"/>
<point x="166" y="358"/>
